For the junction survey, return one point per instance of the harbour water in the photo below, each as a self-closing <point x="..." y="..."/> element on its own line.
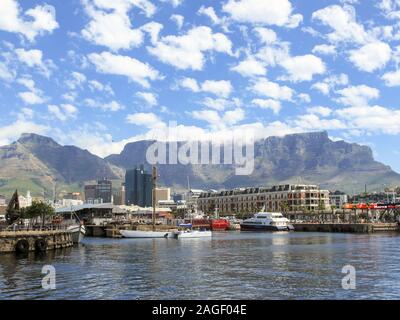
<point x="231" y="265"/>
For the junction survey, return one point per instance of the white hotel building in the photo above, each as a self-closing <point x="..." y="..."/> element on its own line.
<point x="288" y="198"/>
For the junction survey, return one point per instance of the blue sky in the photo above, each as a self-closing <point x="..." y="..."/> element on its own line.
<point x="98" y="73"/>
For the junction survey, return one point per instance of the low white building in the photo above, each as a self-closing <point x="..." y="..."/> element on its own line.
<point x="25" y="201"/>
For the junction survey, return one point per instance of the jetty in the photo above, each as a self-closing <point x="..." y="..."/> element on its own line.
<point x="24" y="241"/>
<point x="347" y="227"/>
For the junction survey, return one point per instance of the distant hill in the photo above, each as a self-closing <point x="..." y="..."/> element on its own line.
<point x="36" y="162"/>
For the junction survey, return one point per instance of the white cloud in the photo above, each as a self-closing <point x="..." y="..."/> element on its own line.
<point x="13" y="131"/>
<point x="324" y="49"/>
<point x="112" y="106"/>
<point x="63" y="112"/>
<point x="34" y="59"/>
<point x="149" y="120"/>
<point x="272" y="90"/>
<point x="268" y="12"/>
<point x="96" y="85"/>
<point x="392" y="79"/>
<point x="209" y="12"/>
<point x="178" y="19"/>
<point x="343" y="22"/>
<point x="222" y="88"/>
<point x="266" y="36"/>
<point x="372" y="118"/>
<point x="371" y="57"/>
<point x="76" y="81"/>
<point x="303" y="68"/>
<point x="331" y="83"/>
<point x="250" y="68"/>
<point x="357" y="95"/>
<point x="218" y="121"/>
<point x="319" y="110"/>
<point x="187" y="51"/>
<point x="132" y="68"/>
<point x="31" y="23"/>
<point x="30" y="97"/>
<point x="148" y="97"/>
<point x="274" y="105"/>
<point x="5" y="73"/>
<point x="110" y="24"/>
<point x="153" y="29"/>
<point x="220" y="103"/>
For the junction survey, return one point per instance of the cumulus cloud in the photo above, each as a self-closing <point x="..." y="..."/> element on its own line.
<point x="357" y="95"/>
<point x="222" y="88"/>
<point x="303" y="68"/>
<point x="273" y="90"/>
<point x="34" y="59"/>
<point x="63" y="112"/>
<point x="250" y="68"/>
<point x="274" y="105"/>
<point x="13" y="131"/>
<point x="392" y="79"/>
<point x="31" y="23"/>
<point x="267" y="12"/>
<point x="149" y="98"/>
<point x="187" y="51"/>
<point x="149" y="120"/>
<point x="132" y="68"/>
<point x="110" y="24"/>
<point x="324" y="49"/>
<point x="371" y="57"/>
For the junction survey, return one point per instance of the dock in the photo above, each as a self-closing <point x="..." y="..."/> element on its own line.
<point x="346" y="227"/>
<point x="24" y="241"/>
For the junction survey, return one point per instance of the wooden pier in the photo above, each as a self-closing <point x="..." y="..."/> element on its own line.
<point x="346" y="227"/>
<point x="24" y="241"/>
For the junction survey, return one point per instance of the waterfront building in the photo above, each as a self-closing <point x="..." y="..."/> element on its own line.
<point x="375" y="197"/>
<point x="119" y="196"/>
<point x="162" y="194"/>
<point x="138" y="187"/>
<point x="285" y="198"/>
<point x="338" y="199"/>
<point x="100" y="192"/>
<point x="73" y="196"/>
<point x="25" y="202"/>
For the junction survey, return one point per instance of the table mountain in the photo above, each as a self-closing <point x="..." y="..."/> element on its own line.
<point x="297" y="158"/>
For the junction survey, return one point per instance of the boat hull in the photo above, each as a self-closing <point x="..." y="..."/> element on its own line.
<point x="78" y="232"/>
<point x="193" y="234"/>
<point x="144" y="234"/>
<point x="246" y="227"/>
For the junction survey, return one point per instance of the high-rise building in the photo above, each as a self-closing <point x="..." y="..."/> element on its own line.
<point x="138" y="187"/>
<point x="163" y="194"/>
<point x="119" y="196"/>
<point x="100" y="192"/>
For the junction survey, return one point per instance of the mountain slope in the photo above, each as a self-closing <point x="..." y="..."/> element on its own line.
<point x="298" y="158"/>
<point x="35" y="162"/>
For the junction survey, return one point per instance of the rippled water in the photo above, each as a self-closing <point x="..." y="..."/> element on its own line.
<point x="232" y="265"/>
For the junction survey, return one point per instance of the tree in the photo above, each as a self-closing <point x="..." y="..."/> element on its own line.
<point x="38" y="209"/>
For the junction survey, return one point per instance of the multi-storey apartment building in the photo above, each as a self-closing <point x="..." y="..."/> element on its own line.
<point x="287" y="198"/>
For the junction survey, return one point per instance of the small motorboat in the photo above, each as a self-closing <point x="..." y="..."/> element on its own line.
<point x="144" y="234"/>
<point x="189" y="233"/>
<point x="78" y="232"/>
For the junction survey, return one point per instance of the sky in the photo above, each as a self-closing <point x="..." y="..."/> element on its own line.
<point x="99" y="73"/>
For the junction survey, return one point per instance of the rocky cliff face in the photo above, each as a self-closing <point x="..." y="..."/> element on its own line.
<point x="297" y="158"/>
<point x="35" y="162"/>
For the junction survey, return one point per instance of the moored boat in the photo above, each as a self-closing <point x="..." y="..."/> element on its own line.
<point x="78" y="232"/>
<point x="219" y="224"/>
<point x="144" y="234"/>
<point x="267" y="221"/>
<point x="193" y="234"/>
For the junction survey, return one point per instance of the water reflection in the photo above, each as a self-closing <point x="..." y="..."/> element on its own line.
<point x="232" y="265"/>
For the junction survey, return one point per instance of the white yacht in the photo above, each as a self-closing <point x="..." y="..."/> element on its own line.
<point x="266" y="221"/>
<point x="192" y="234"/>
<point x="144" y="234"/>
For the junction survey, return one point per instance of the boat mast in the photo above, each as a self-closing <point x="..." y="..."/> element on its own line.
<point x="154" y="176"/>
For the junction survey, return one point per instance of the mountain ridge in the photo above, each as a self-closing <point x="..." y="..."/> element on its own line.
<point x="38" y="162"/>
